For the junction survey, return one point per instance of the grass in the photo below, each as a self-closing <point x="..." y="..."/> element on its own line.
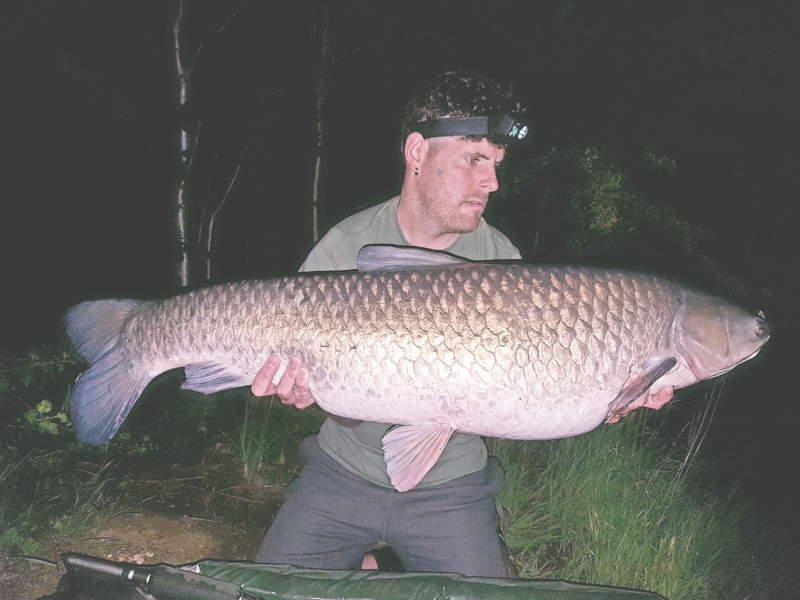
<point x="268" y="435"/>
<point x="616" y="507"/>
<point x="54" y="494"/>
<point x="254" y="444"/>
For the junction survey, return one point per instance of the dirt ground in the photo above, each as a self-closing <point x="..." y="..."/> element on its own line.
<point x="174" y="514"/>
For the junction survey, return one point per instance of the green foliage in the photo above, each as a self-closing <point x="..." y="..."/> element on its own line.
<point x="615" y="507"/>
<point x="597" y="203"/>
<point x="658" y="163"/>
<point x="48" y="483"/>
<point x="591" y="207"/>
<point x="133" y="445"/>
<point x="29" y="379"/>
<point x="11" y="540"/>
<point x="44" y="422"/>
<point x="37" y="368"/>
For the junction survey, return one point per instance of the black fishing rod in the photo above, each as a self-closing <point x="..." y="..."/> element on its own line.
<point x="164" y="582"/>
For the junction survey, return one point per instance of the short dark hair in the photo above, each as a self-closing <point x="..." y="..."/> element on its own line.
<point x="460" y="93"/>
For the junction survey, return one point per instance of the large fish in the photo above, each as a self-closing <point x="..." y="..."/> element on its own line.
<point x="424" y="340"/>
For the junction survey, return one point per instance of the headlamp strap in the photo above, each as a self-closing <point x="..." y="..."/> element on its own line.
<point x="453" y="126"/>
<point x="502" y="129"/>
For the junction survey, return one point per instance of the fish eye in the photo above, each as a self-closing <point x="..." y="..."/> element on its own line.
<point x="761" y="326"/>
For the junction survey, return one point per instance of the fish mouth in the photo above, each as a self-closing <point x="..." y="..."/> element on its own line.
<point x="702" y="374"/>
<point x="756" y="351"/>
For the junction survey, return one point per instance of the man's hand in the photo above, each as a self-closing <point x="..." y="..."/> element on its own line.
<point x="292" y="387"/>
<point x="654" y="401"/>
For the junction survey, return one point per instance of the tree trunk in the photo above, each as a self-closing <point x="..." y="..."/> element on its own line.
<point x="323" y="53"/>
<point x="186" y="142"/>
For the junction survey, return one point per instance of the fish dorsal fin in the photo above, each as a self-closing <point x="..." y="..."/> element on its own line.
<point x="636" y="385"/>
<point x="411" y="450"/>
<point x="385" y="257"/>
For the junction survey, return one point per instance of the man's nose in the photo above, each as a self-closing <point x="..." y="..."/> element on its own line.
<point x="490" y="183"/>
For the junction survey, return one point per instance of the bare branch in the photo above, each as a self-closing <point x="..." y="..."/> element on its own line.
<point x="219" y="31"/>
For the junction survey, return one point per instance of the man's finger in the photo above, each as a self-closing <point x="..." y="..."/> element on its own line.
<point x="658" y="400"/>
<point x="654" y="401"/>
<point x="262" y="384"/>
<point x="302" y="394"/>
<point x="286" y="385"/>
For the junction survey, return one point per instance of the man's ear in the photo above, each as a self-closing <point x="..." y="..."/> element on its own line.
<point x="414" y="150"/>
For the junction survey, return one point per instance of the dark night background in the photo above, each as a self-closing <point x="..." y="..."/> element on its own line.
<point x="86" y="118"/>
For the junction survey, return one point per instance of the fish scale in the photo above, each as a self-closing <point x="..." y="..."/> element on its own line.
<point x="505" y="350"/>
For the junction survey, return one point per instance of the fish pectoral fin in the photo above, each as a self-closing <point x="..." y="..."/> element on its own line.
<point x="411" y="450"/>
<point x="211" y="377"/>
<point x="639" y="382"/>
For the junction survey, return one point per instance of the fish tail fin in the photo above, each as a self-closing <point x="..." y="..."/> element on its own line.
<point x="103" y="395"/>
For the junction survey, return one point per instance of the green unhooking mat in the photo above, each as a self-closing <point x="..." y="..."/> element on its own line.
<point x="90" y="578"/>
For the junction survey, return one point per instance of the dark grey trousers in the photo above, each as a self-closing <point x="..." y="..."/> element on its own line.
<point x="331" y="518"/>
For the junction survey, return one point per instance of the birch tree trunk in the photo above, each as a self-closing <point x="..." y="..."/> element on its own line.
<point x="323" y="53"/>
<point x="186" y="143"/>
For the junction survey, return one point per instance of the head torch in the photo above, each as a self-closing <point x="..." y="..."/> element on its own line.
<point x="499" y="129"/>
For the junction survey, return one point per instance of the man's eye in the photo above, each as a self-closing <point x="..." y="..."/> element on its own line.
<point x="473" y="160"/>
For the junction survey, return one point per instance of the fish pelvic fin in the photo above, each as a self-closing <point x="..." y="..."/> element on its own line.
<point x="641" y="381"/>
<point x="103" y="395"/>
<point x="410" y="451"/>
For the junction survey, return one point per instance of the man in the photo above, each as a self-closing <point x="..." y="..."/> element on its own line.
<point x="343" y="503"/>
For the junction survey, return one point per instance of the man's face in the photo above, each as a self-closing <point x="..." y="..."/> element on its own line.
<point x="457" y="177"/>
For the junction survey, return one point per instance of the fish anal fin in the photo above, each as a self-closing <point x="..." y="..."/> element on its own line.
<point x="639" y="382"/>
<point x="211" y="377"/>
<point x="411" y="450"/>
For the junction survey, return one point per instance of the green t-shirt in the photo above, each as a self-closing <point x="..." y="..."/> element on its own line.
<point x="359" y="448"/>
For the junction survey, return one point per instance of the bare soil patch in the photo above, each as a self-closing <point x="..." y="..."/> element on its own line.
<point x="174" y="514"/>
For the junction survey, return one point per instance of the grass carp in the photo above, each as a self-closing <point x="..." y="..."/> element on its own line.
<point x="424" y="340"/>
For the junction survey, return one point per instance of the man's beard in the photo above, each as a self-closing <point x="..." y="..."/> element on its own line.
<point x="445" y="210"/>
